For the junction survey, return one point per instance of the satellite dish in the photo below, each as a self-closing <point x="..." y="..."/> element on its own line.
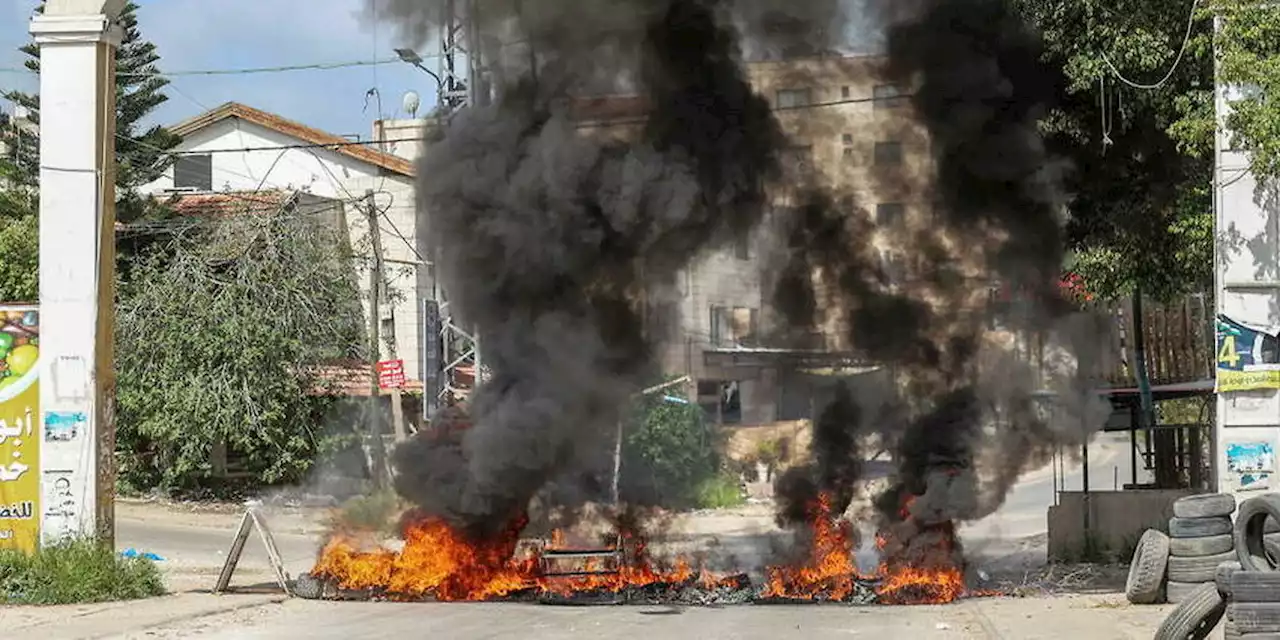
<point x="411" y="103"/>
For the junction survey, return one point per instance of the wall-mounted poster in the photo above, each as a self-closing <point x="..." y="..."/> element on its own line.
<point x="1250" y="465"/>
<point x="19" y="428"/>
<point x="1247" y="357"/>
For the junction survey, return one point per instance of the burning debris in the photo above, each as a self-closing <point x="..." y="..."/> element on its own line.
<point x="549" y="238"/>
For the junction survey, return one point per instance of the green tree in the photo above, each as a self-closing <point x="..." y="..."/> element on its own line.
<point x="1139" y="168"/>
<point x="218" y="336"/>
<point x="669" y="453"/>
<point x="19" y="238"/>
<point x="1248" y="51"/>
<point x="141" y="149"/>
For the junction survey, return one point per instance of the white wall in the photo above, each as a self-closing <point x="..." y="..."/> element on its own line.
<point x="1246" y="230"/>
<point x="332" y="175"/>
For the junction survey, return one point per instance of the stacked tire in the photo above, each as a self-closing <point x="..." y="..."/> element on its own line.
<point x="1253" y="590"/>
<point x="1200" y="539"/>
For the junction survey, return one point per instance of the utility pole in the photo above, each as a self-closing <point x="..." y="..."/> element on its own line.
<point x="378" y="467"/>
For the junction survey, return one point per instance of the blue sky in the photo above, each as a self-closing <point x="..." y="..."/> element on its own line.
<point x="232" y="34"/>
<point x="237" y="34"/>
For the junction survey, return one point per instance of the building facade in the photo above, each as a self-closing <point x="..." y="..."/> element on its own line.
<point x="236" y="148"/>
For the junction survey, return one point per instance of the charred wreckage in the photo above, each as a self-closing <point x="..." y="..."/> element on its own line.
<point x="546" y="236"/>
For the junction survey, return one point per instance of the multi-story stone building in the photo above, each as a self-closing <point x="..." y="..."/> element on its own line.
<point x="851" y="132"/>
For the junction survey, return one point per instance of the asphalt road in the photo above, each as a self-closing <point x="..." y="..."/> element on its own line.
<point x="196" y="548"/>
<point x="1062" y="618"/>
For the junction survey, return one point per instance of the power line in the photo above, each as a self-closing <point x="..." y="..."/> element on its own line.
<point x="1186" y="40"/>
<point x="321" y="66"/>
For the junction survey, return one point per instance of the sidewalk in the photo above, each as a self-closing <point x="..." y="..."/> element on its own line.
<point x="116" y="618"/>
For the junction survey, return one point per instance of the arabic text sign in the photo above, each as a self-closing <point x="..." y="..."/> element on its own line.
<point x="391" y="374"/>
<point x="19" y="429"/>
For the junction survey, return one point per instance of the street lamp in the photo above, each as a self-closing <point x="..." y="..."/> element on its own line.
<point x="410" y="56"/>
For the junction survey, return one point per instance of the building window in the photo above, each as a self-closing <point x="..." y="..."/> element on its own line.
<point x="847" y="139"/>
<point x="792" y="98"/>
<point x="193" y="172"/>
<point x="886" y="96"/>
<point x="894" y="265"/>
<point x="888" y="153"/>
<point x="733" y="326"/>
<point x="844" y="92"/>
<point x="721" y="401"/>
<point x="848" y="153"/>
<point x="798" y="161"/>
<point x="890" y="214"/>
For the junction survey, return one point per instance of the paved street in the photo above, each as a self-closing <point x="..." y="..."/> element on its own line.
<point x="1093" y="617"/>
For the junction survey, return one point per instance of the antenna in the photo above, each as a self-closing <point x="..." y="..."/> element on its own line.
<point x="411" y="102"/>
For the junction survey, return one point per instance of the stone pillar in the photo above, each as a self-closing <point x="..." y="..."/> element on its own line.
<point x="77" y="40"/>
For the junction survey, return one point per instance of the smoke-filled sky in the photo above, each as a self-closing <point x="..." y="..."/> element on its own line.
<point x="237" y="34"/>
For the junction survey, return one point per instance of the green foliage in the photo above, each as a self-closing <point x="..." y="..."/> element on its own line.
<point x="75" y="572"/>
<point x="720" y="491"/>
<point x="1139" y="161"/>
<point x="669" y="453"/>
<point x="218" y="335"/>
<point x="140" y="149"/>
<point x="1248" y="50"/>
<point x="19" y="242"/>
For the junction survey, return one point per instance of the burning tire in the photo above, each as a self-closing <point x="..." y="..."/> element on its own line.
<point x="1146" y="571"/>
<point x="1199" y="527"/>
<point x="1195" y="617"/>
<point x="308" y="587"/>
<point x="1256" y="617"/>
<point x="1193" y="569"/>
<point x="1251" y="544"/>
<point x="1205" y="505"/>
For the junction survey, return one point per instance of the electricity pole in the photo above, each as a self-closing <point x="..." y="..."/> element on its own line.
<point x="378" y="467"/>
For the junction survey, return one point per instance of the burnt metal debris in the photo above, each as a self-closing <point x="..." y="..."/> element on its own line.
<point x="732" y="590"/>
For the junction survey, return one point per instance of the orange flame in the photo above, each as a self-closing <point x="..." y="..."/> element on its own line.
<point x="829" y="572"/>
<point x="438" y="562"/>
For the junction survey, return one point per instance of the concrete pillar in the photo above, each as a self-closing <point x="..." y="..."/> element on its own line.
<point x="77" y="40"/>
<point x="1247" y="279"/>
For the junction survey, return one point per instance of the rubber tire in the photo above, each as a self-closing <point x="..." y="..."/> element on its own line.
<point x="1256" y="617"/>
<point x="1205" y="505"/>
<point x="1198" y="547"/>
<point x="307" y="587"/>
<point x="1229" y="631"/>
<point x="1271" y="542"/>
<point x="1202" y="569"/>
<point x="1250" y="543"/>
<point x="1199" y="527"/>
<point x="1146" y="571"/>
<point x="1196" y="617"/>
<point x="1222" y="577"/>
<point x="1255" y="586"/>
<point x="1176" y="592"/>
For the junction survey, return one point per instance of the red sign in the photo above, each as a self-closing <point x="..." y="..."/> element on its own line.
<point x="391" y="374"/>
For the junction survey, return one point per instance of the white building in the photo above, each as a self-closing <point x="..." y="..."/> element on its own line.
<point x="238" y="148"/>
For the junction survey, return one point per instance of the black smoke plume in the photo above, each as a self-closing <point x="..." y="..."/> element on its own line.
<point x="547" y="237"/>
<point x="971" y="421"/>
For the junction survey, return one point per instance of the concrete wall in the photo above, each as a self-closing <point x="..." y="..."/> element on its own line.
<point x="1247" y="279"/>
<point x="331" y="175"/>
<point x="1116" y="520"/>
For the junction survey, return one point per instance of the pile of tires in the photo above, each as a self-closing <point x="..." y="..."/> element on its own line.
<point x="1170" y="568"/>
<point x="1245" y="590"/>
<point x="1200" y="539"/>
<point x="1252" y="588"/>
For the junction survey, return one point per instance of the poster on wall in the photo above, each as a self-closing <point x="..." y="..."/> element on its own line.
<point x="1248" y="358"/>
<point x="19" y="428"/>
<point x="1250" y="465"/>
